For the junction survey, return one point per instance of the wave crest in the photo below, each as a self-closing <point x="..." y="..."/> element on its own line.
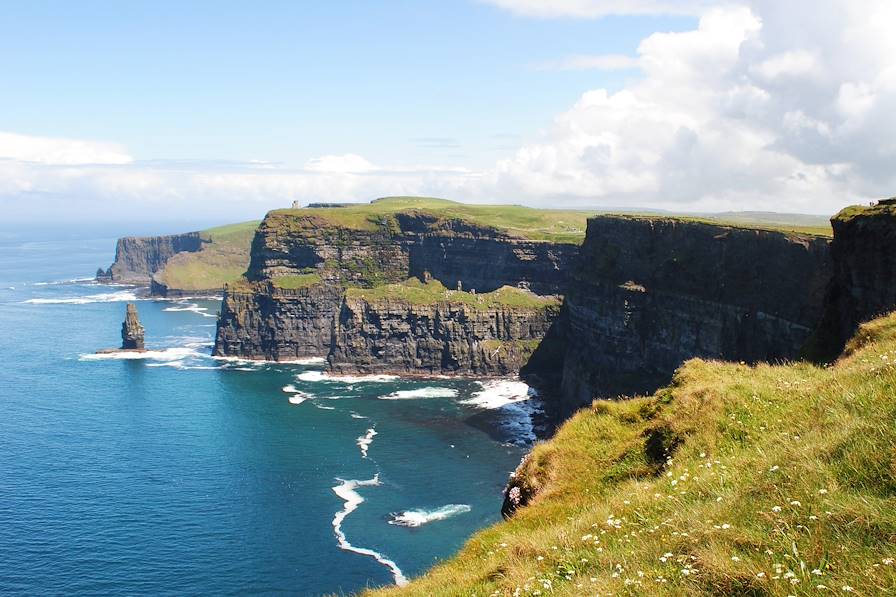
<point x="417" y="518"/>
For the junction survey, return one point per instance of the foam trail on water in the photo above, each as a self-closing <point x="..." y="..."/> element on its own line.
<point x="195" y="308"/>
<point x="416" y="518"/>
<point x="321" y="376"/>
<point x="346" y="491"/>
<point x="365" y="440"/>
<point x="105" y="297"/>
<point x="421" y="393"/>
<point x="165" y="354"/>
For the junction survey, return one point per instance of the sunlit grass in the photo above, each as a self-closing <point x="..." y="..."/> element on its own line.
<point x="781" y="481"/>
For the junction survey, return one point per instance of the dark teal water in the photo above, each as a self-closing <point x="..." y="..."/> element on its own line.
<point x="181" y="474"/>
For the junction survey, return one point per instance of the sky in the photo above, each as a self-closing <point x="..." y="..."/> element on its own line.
<point x="219" y="111"/>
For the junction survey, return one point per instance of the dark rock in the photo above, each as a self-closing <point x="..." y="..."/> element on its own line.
<point x="864" y="275"/>
<point x="650" y="293"/>
<point x="138" y="258"/>
<point x="132" y="330"/>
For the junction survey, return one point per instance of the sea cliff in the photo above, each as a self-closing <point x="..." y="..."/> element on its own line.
<point x="649" y="293"/>
<point x="307" y="267"/>
<point x="137" y="258"/>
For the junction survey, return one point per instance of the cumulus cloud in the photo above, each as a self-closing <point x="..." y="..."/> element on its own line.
<point x="741" y="112"/>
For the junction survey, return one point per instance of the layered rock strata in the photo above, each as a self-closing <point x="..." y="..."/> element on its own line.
<point x="131" y="330"/>
<point x="864" y="275"/>
<point x="138" y="258"/>
<point x="650" y="293"/>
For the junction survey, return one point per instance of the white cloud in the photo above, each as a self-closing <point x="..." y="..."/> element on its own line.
<point x="50" y="150"/>
<point x="597" y="62"/>
<point x="597" y="8"/>
<point x="759" y="107"/>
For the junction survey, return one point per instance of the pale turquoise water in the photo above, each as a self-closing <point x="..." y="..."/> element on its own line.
<point x="181" y="474"/>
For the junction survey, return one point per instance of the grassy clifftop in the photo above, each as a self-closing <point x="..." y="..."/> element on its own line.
<point x="415" y="292"/>
<point x="556" y="225"/>
<point x="222" y="260"/>
<point x="735" y="480"/>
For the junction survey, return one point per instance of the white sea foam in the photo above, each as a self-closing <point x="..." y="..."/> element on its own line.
<point x="104" y="297"/>
<point x="432" y="392"/>
<point x="323" y="407"/>
<point x="164" y="354"/>
<point x="365" y="440"/>
<point x="305" y="361"/>
<point x="416" y="518"/>
<point x="298" y="398"/>
<point x="318" y="376"/>
<point x="195" y="308"/>
<point x="516" y="401"/>
<point x="346" y="491"/>
<point x="355" y="415"/>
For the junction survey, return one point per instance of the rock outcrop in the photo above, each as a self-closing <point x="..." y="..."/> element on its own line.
<point x="864" y="275"/>
<point x="650" y="293"/>
<point x="138" y="258"/>
<point x="131" y="330"/>
<point x="264" y="319"/>
<point x="261" y="321"/>
<point x="394" y="335"/>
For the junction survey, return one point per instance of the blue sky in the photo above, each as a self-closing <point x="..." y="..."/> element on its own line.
<point x="286" y="81"/>
<point x="223" y="110"/>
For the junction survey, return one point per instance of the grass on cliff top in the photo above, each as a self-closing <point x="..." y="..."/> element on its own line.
<point x="222" y="260"/>
<point x="565" y="226"/>
<point x="781" y="481"/>
<point x="296" y="281"/>
<point x="415" y="292"/>
<point x="887" y="207"/>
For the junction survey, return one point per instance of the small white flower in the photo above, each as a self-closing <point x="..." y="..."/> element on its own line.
<point x="735" y="559"/>
<point x="774" y="468"/>
<point x="847" y="589"/>
<point x="822" y="491"/>
<point x="817" y="572"/>
<point x="795" y="503"/>
<point x="776" y="508"/>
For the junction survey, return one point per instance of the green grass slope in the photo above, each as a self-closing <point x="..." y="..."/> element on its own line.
<point x="734" y="480"/>
<point x="222" y="260"/>
<point x="415" y="292"/>
<point x="556" y="225"/>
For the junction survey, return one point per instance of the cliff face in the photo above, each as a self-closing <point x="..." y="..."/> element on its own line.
<point x="260" y="321"/>
<point x="864" y="275"/>
<point x="650" y="293"/>
<point x="443" y="338"/>
<point x="138" y="258"/>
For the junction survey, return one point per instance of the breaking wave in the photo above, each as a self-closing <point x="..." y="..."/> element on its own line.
<point x="417" y="518"/>
<point x="104" y="297"/>
<point x="319" y="376"/>
<point x="193" y="307"/>
<point x="515" y="401"/>
<point x="165" y="354"/>
<point x="346" y="491"/>
<point x="421" y="393"/>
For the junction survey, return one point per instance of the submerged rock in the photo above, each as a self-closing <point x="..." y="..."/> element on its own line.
<point x="132" y="330"/>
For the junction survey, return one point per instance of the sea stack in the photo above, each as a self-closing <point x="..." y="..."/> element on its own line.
<point x="131" y="330"/>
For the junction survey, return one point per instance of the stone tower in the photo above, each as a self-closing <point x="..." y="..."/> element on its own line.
<point x="131" y="330"/>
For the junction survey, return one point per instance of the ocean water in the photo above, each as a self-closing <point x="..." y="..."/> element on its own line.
<point x="177" y="473"/>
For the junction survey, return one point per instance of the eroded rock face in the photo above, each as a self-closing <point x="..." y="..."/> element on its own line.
<point x="649" y="294"/>
<point x="864" y="275"/>
<point x="260" y="321"/>
<point x="394" y="336"/>
<point x="138" y="258"/>
<point x="131" y="330"/>
<point x="263" y="322"/>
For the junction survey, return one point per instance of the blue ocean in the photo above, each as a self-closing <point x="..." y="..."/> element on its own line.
<point x="176" y="473"/>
